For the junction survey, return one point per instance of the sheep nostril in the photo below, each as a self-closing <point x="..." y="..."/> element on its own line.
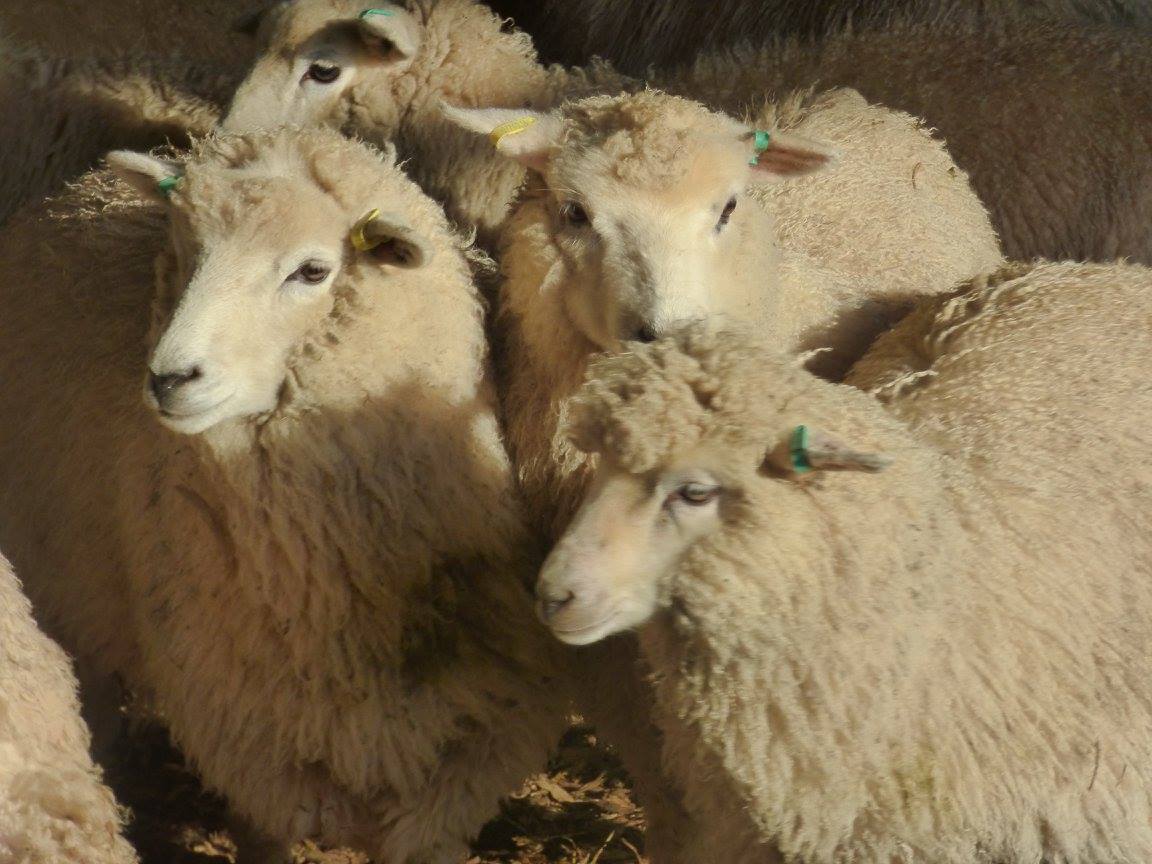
<point x="550" y="606"/>
<point x="163" y="385"/>
<point x="645" y="334"/>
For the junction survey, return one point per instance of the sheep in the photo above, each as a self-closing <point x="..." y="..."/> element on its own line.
<point x="103" y="28"/>
<point x="1049" y="121"/>
<point x="383" y="73"/>
<point x="54" y="808"/>
<point x="636" y="35"/>
<point x="891" y="219"/>
<point x="942" y="662"/>
<point x="623" y="160"/>
<point x="303" y="545"/>
<point x="62" y="116"/>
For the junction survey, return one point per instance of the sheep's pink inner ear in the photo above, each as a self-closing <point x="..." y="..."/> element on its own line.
<point x="529" y="137"/>
<point x="787" y="155"/>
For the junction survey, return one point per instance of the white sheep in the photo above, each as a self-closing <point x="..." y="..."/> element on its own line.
<point x="62" y="115"/>
<point x="304" y="544"/>
<point x="636" y="35"/>
<point x="54" y="808"/>
<point x="383" y="73"/>
<point x="1050" y="121"/>
<point x="945" y="662"/>
<point x="641" y="219"/>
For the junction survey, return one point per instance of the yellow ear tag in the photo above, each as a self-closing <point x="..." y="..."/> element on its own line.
<point x="512" y="127"/>
<point x="359" y="241"/>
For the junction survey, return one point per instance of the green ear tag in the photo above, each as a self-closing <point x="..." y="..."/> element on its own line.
<point x="168" y="184"/>
<point x="760" y="142"/>
<point x="387" y="13"/>
<point x="798" y="450"/>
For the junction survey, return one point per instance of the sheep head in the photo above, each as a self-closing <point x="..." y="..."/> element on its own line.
<point x="265" y="231"/>
<point x="691" y="432"/>
<point x="646" y="195"/>
<point x="361" y="65"/>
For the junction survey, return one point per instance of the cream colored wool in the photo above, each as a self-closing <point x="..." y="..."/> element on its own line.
<point x="326" y="602"/>
<point x="1051" y="122"/>
<point x="461" y="54"/>
<point x="54" y="808"/>
<point x="61" y="116"/>
<point x="204" y="29"/>
<point x="944" y="662"/>
<point x="635" y="35"/>
<point x="856" y="241"/>
<point x="893" y="218"/>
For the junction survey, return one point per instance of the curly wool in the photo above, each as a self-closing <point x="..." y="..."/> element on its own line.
<point x="54" y="807"/>
<point x="943" y="662"/>
<point x="1060" y="156"/>
<point x="359" y="550"/>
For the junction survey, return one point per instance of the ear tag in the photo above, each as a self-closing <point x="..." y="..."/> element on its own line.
<point x="168" y="184"/>
<point x="512" y="127"/>
<point x="760" y="142"/>
<point x="798" y="450"/>
<point x="387" y="13"/>
<point x="360" y="242"/>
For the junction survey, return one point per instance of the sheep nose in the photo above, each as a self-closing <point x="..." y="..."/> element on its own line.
<point x="550" y="606"/>
<point x="163" y="386"/>
<point x="645" y="333"/>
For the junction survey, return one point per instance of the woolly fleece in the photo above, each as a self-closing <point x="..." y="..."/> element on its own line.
<point x="326" y="603"/>
<point x="1051" y="122"/>
<point x="940" y="663"/>
<point x="54" y="808"/>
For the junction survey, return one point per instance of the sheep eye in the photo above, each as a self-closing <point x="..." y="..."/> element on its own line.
<point x="727" y="213"/>
<point x="322" y="73"/>
<point x="310" y="273"/>
<point x="697" y="494"/>
<point x="573" y="214"/>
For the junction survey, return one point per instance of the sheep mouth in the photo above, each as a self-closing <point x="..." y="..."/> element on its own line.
<point x="586" y="634"/>
<point x="194" y="421"/>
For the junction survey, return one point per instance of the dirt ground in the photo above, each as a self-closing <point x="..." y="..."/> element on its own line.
<point x="579" y="812"/>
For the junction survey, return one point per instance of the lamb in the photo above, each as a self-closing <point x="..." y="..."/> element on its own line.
<point x="54" y="809"/>
<point x="1051" y="122"/>
<point x="326" y="485"/>
<point x="942" y="662"/>
<point x="636" y="35"/>
<point x="383" y="73"/>
<point x="62" y="116"/>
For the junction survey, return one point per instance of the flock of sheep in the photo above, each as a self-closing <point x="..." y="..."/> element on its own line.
<point x="350" y="379"/>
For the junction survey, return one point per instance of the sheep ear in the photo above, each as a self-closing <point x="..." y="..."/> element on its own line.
<point x="388" y="238"/>
<point x="529" y="137"/>
<point x="805" y="450"/>
<point x="776" y="155"/>
<point x="151" y="177"/>
<point x="392" y="27"/>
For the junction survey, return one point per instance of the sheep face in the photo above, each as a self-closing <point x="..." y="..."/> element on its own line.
<point x="259" y="241"/>
<point x="320" y="57"/>
<point x="612" y="568"/>
<point x="698" y="447"/>
<point x="647" y="200"/>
